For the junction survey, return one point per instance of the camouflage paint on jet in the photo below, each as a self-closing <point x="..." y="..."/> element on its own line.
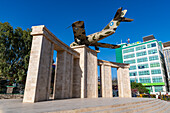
<point x="91" y="40"/>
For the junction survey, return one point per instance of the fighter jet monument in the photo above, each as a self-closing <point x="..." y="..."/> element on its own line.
<point x="80" y="37"/>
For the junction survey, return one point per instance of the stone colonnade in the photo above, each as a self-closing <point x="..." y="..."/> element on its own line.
<point x="75" y="71"/>
<point x="40" y="66"/>
<point x="124" y="88"/>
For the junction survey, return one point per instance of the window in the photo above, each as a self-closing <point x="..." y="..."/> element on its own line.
<point x="144" y="72"/>
<point x="141" y="54"/>
<point x="157" y="79"/>
<point x="142" y="60"/>
<point x="132" y="68"/>
<point x="129" y="56"/>
<point x="133" y="74"/>
<point x="158" y="88"/>
<point x="145" y="80"/>
<point x="140" y="48"/>
<point x="157" y="64"/>
<point x="143" y="66"/>
<point x="151" y="45"/>
<point x="133" y="80"/>
<point x="153" y="51"/>
<point x="130" y="61"/>
<point x="156" y="71"/>
<point x="128" y="50"/>
<point x="151" y="58"/>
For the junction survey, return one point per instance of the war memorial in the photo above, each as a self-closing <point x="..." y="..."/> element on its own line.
<point x="76" y="76"/>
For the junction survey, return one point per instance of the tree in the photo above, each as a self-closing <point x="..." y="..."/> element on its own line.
<point x="15" y="46"/>
<point x="138" y="87"/>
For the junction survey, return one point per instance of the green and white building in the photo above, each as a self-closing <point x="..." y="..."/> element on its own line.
<point x="146" y="63"/>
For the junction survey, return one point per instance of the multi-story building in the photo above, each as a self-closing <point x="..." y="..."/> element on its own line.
<point x="166" y="51"/>
<point x="146" y="63"/>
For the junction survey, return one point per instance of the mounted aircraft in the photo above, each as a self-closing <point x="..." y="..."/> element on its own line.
<point x="80" y="37"/>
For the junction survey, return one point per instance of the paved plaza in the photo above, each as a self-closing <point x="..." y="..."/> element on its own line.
<point x="16" y="105"/>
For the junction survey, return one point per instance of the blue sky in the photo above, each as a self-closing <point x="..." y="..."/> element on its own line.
<point x="150" y="17"/>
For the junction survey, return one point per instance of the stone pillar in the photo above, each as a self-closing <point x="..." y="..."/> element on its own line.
<point x="77" y="79"/>
<point x="124" y="87"/>
<point x="39" y="70"/>
<point x="63" y="75"/>
<point x="106" y="81"/>
<point x="102" y="88"/>
<point x="89" y="77"/>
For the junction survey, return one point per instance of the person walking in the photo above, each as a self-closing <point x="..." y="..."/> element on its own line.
<point x="166" y="95"/>
<point x="156" y="95"/>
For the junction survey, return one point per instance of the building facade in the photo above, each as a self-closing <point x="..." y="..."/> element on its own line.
<point x="146" y="64"/>
<point x="166" y="51"/>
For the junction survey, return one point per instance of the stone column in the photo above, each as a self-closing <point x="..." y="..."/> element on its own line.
<point x="81" y="63"/>
<point x="89" y="77"/>
<point x="63" y="75"/>
<point x="102" y="88"/>
<point x="106" y="81"/>
<point x="124" y="87"/>
<point x="70" y="73"/>
<point x="77" y="75"/>
<point x="39" y="70"/>
<point x="92" y="74"/>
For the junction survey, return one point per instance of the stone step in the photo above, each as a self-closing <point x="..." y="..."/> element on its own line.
<point x="156" y="107"/>
<point x="100" y="108"/>
<point x="162" y="109"/>
<point x="167" y="110"/>
<point x="143" y="107"/>
<point x="122" y="107"/>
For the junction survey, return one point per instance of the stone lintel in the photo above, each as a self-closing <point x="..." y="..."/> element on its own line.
<point x="83" y="46"/>
<point x="113" y="64"/>
<point x="58" y="44"/>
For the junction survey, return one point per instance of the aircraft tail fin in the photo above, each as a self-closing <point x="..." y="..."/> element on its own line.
<point x="119" y="17"/>
<point x="79" y="32"/>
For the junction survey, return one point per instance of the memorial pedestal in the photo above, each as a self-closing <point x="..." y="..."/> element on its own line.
<point x="87" y="69"/>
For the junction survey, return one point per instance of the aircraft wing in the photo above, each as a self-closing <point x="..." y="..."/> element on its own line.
<point x="104" y="45"/>
<point x="79" y="32"/>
